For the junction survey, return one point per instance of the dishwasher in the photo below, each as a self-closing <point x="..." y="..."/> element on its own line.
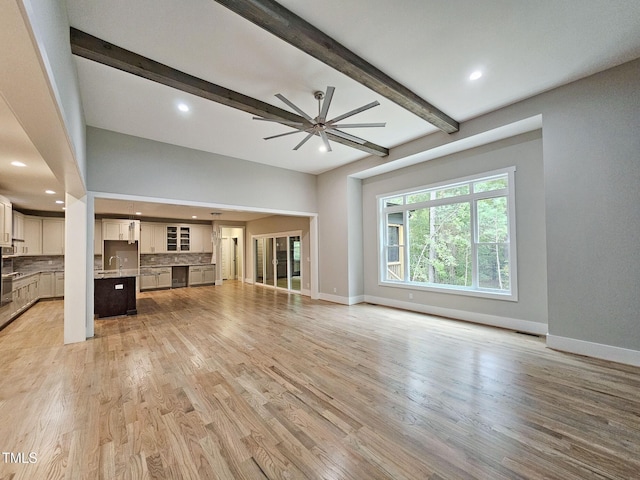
<point x="179" y="275"/>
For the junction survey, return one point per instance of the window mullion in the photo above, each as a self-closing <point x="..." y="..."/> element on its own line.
<point x="405" y="249"/>
<point x="474" y="243"/>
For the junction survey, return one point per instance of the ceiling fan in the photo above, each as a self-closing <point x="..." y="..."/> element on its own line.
<point x="319" y="125"/>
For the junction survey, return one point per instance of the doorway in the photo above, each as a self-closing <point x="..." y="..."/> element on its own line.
<point x="277" y="261"/>
<point x="229" y="252"/>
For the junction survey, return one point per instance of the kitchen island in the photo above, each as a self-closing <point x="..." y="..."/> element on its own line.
<point x="115" y="293"/>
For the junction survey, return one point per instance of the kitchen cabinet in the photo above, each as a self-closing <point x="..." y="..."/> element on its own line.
<point x="25" y="293"/>
<point x="201" y="275"/>
<point x="18" y="233"/>
<point x="97" y="237"/>
<point x="6" y="222"/>
<point x="114" y="296"/>
<point x="32" y="228"/>
<point x="201" y="239"/>
<point x="178" y="238"/>
<point x="153" y="278"/>
<point x="47" y="285"/>
<point x="58" y="287"/>
<point x="121" y="230"/>
<point x="153" y="237"/>
<point x="53" y="236"/>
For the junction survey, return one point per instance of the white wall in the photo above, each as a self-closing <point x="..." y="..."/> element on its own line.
<point x="123" y="164"/>
<point x="50" y="25"/>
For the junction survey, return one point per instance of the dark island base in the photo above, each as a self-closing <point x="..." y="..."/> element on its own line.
<point x="115" y="296"/>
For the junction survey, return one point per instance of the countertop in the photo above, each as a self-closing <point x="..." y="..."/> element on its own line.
<point x="122" y="273"/>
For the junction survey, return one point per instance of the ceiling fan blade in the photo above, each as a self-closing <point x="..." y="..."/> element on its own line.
<point x="353" y="138"/>
<point x="283" y="134"/>
<point x="353" y="112"/>
<point x="357" y="125"/>
<point x="325" y="140"/>
<point x="325" y="104"/>
<point x="283" y="122"/>
<point x="284" y="99"/>
<point x="304" y="141"/>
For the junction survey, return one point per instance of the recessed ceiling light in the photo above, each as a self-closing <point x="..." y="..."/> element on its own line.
<point x="183" y="107"/>
<point x="194" y="216"/>
<point x="49" y="192"/>
<point x="475" y="75"/>
<point x="138" y="213"/>
<point x="322" y="148"/>
<point x="18" y="164"/>
<point x="59" y="202"/>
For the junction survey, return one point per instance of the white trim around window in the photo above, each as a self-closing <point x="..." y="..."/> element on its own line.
<point x="458" y="249"/>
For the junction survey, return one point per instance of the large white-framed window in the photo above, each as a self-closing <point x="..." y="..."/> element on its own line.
<point x="454" y="237"/>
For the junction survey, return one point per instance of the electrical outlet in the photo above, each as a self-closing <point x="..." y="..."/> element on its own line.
<point x="335" y="290"/>
<point x="411" y="296"/>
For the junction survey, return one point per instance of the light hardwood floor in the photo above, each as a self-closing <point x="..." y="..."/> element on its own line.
<point x="243" y="382"/>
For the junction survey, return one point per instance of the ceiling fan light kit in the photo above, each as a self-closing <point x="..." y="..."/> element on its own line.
<point x="320" y="126"/>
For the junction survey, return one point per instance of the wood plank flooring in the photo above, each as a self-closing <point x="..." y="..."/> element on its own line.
<point x="243" y="382"/>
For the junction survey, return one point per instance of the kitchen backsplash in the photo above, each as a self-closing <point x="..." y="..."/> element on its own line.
<point x="40" y="263"/>
<point x="150" y="260"/>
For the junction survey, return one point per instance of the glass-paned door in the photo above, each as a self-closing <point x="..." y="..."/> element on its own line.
<point x="258" y="246"/>
<point x="294" y="263"/>
<point x="277" y="261"/>
<point x="269" y="261"/>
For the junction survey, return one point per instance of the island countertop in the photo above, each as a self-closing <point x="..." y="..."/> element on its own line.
<point x="121" y="273"/>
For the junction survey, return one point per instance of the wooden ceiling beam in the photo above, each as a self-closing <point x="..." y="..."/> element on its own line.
<point x="287" y="26"/>
<point x="101" y="51"/>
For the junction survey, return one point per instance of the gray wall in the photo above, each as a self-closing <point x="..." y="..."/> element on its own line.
<point x="123" y="164"/>
<point x="525" y="153"/>
<point x="592" y="176"/>
<point x="591" y="167"/>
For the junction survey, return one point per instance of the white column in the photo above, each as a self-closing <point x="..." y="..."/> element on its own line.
<point x="75" y="270"/>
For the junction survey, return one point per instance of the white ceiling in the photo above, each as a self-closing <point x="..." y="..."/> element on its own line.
<point x="523" y="48"/>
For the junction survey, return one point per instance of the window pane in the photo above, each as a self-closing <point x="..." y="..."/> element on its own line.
<point x="489" y="185"/>
<point x="453" y="191"/>
<point x="392" y="202"/>
<point x="493" y="220"/>
<point x="440" y="245"/>
<point x="493" y="266"/>
<point x="393" y="239"/>
<point x="395" y="269"/>
<point x="419" y="197"/>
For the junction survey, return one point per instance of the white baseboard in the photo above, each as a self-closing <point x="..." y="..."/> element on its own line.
<point x="342" y="300"/>
<point x="596" y="350"/>
<point x="248" y="280"/>
<point x="305" y="292"/>
<point x="218" y="282"/>
<point x="516" y="324"/>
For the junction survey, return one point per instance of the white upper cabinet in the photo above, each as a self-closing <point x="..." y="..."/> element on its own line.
<point x="153" y="237"/>
<point x="121" y="230"/>
<point x="6" y="222"/>
<point x="201" y="239"/>
<point x="53" y="236"/>
<point x="32" y="244"/>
